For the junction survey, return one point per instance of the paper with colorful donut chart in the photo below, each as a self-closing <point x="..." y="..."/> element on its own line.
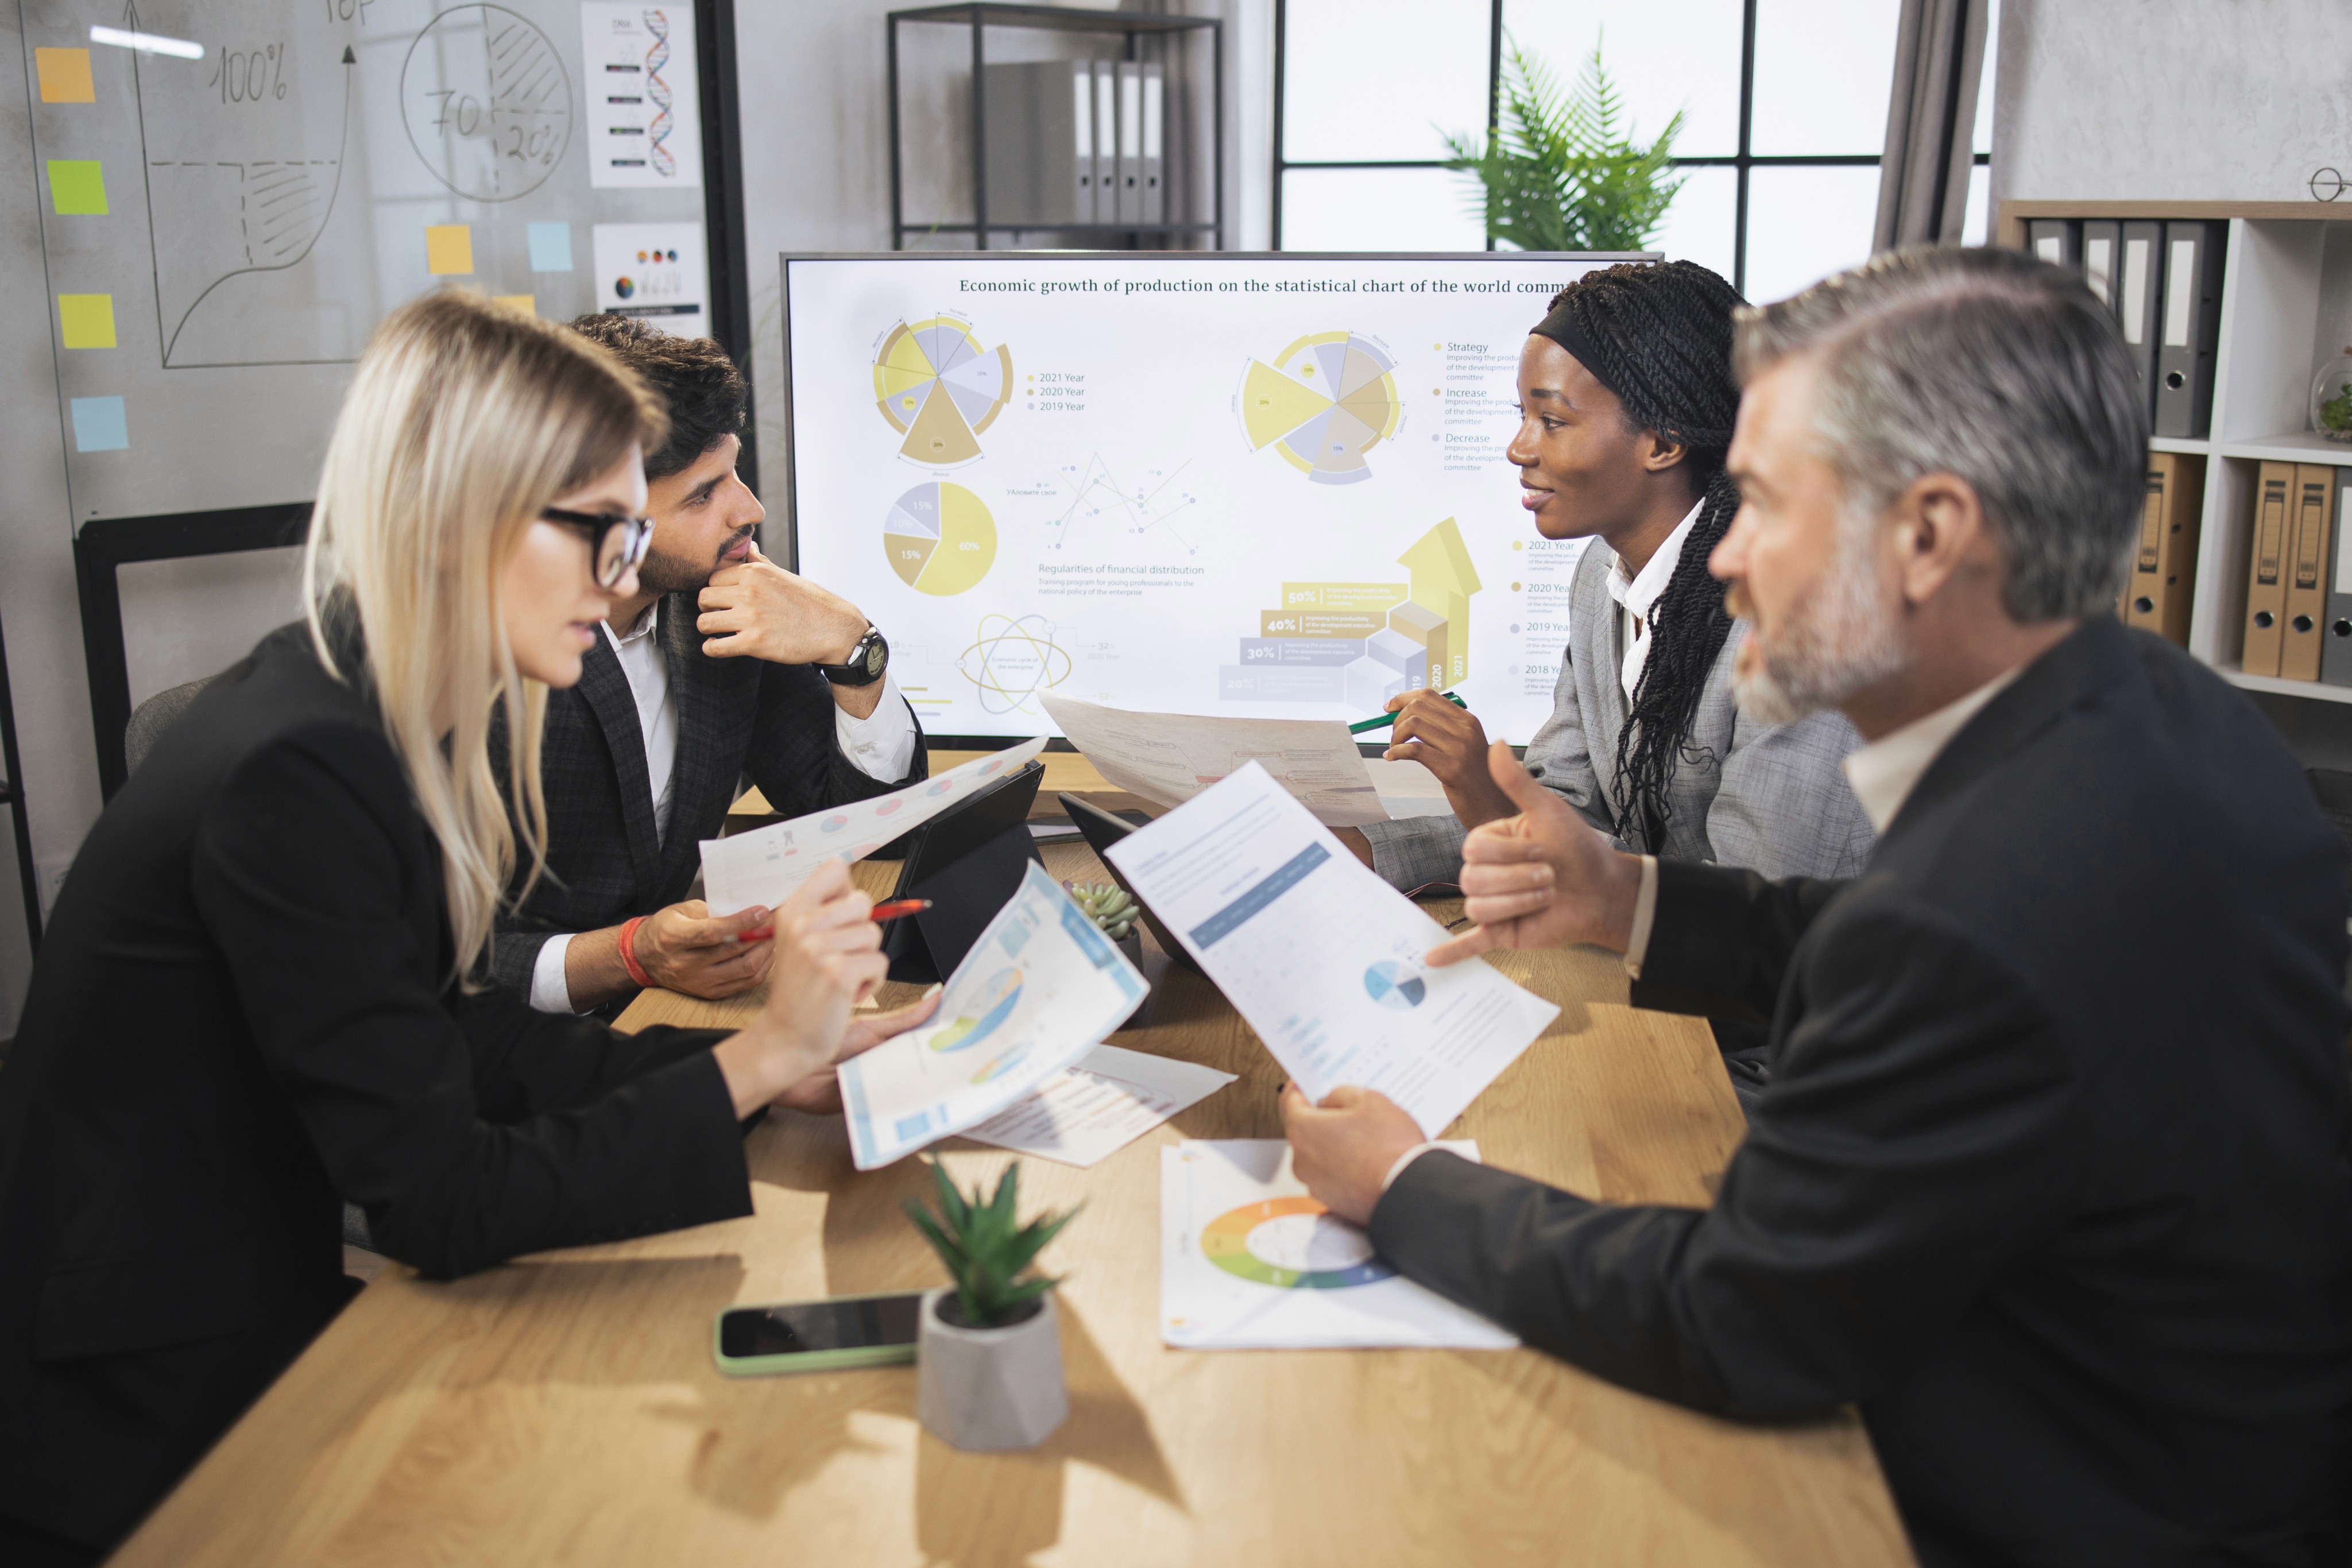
<point x="1322" y="956"/>
<point x="766" y="865"/>
<point x="1038" y="991"/>
<point x="1248" y="1261"/>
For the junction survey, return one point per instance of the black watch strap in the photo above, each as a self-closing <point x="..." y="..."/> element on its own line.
<point x="867" y="662"/>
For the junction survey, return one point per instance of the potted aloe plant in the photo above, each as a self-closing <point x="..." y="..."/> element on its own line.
<point x="1114" y="911"/>
<point x="989" y="1352"/>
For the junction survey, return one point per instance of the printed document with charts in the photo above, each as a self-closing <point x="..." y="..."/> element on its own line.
<point x="1323" y="957"/>
<point x="1168" y="757"/>
<point x="766" y="865"/>
<point x="1248" y="1261"/>
<point x="1040" y="988"/>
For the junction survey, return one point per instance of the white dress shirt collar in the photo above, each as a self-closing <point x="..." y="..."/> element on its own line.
<point x="1638" y="594"/>
<point x="1884" y="772"/>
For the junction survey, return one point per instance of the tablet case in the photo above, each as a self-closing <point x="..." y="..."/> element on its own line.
<point x="968" y="861"/>
<point x="1103" y="829"/>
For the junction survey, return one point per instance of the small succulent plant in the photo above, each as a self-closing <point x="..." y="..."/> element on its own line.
<point x="2335" y="413"/>
<point x="1108" y="905"/>
<point x="986" y="1248"/>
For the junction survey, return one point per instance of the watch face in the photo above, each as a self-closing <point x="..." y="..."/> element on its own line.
<point x="877" y="656"/>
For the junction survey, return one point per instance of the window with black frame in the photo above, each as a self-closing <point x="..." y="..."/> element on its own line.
<point x="1783" y="105"/>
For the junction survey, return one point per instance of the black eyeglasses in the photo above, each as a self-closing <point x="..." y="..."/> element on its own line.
<point x="618" y="542"/>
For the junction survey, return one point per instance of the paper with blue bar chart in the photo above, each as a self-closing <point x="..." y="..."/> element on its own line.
<point x="1323" y="957"/>
<point x="1038" y="991"/>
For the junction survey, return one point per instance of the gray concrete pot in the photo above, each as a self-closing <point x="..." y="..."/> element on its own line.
<point x="990" y="1388"/>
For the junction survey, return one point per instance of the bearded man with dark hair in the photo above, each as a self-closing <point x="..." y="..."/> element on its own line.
<point x="722" y="667"/>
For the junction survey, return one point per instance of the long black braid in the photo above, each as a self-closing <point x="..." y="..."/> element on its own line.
<point x="1659" y="335"/>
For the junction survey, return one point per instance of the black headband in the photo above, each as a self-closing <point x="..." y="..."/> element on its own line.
<point x="1562" y="327"/>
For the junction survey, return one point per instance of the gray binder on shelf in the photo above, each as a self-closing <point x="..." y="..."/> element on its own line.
<point x="2102" y="238"/>
<point x="2138" y="293"/>
<point x="1130" y="142"/>
<point x="1155" y="135"/>
<point x="2335" y="643"/>
<point x="2058" y="240"/>
<point x="1105" y="74"/>
<point x="1040" y="165"/>
<point x="2192" y="317"/>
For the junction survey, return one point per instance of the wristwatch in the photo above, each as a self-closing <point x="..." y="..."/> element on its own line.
<point x="865" y="664"/>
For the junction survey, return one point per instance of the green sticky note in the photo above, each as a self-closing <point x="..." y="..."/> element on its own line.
<point x="77" y="187"/>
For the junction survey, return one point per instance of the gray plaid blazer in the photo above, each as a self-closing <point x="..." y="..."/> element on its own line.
<point x="1769" y="798"/>
<point x="736" y="718"/>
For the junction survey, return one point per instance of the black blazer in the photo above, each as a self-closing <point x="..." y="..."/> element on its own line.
<point x="242" y="1017"/>
<point x="735" y="717"/>
<point x="2051" y="1176"/>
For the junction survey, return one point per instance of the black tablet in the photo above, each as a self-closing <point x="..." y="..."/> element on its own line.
<point x="968" y="861"/>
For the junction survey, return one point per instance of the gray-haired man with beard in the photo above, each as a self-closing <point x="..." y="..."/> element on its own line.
<point x="2051" y="1177"/>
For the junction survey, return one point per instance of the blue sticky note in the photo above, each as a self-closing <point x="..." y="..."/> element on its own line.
<point x="100" y="425"/>
<point x="551" y="247"/>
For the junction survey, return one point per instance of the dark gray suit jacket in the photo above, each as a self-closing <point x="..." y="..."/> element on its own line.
<point x="2051" y="1175"/>
<point x="737" y="718"/>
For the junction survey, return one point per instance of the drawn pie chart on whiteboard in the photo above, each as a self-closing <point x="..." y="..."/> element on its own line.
<point x="940" y="389"/>
<point x="939" y="538"/>
<point x="1324" y="401"/>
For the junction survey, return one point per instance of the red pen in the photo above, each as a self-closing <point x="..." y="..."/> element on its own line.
<point x="890" y="911"/>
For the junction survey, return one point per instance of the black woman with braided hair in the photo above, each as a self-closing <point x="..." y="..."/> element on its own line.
<point x="1626" y="401"/>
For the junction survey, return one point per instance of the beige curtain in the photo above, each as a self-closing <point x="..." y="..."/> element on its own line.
<point x="1923" y="187"/>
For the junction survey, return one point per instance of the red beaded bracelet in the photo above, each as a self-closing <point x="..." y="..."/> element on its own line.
<point x="629" y="952"/>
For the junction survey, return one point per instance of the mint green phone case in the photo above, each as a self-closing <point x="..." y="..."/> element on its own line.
<point x="809" y="1360"/>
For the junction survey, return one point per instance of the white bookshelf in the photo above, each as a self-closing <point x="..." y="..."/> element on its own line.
<point x="2276" y="315"/>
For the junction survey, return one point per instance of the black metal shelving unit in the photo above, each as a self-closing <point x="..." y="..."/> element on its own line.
<point x="1139" y="32"/>
<point x="11" y="790"/>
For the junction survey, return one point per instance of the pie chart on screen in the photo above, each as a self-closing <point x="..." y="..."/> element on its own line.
<point x="939" y="538"/>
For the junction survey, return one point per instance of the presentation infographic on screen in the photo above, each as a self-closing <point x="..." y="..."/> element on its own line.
<point x="1265" y="486"/>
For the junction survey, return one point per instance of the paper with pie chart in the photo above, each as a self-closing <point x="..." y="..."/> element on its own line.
<point x="1039" y="989"/>
<point x="1249" y="1261"/>
<point x="937" y="386"/>
<point x="1327" y="399"/>
<point x="765" y="865"/>
<point x="1322" y="957"/>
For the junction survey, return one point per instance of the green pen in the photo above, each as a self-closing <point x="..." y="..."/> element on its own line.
<point x="1384" y="720"/>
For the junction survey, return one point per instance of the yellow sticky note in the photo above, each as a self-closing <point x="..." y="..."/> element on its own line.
<point x="448" y="248"/>
<point x="65" y="76"/>
<point x="526" y="303"/>
<point x="87" y="320"/>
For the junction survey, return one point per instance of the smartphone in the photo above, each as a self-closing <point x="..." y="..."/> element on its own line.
<point x="817" y="1336"/>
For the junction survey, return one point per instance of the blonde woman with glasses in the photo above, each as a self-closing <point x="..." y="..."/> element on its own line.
<point x="261" y="995"/>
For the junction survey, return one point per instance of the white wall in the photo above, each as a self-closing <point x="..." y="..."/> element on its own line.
<point x="2170" y="99"/>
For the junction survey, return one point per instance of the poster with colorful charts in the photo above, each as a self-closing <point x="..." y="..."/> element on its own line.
<point x="939" y="538"/>
<point x="1039" y="989"/>
<point x="937" y="386"/>
<point x="1249" y="1261"/>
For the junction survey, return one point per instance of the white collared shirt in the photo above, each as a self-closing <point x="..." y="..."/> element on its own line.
<point x="1882" y="775"/>
<point x="882" y="745"/>
<point x="1637" y="595"/>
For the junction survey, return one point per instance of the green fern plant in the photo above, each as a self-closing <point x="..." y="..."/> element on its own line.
<point x="1559" y="175"/>
<point x="985" y="1247"/>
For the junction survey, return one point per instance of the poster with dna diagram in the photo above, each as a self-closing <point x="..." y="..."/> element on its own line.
<point x="644" y="120"/>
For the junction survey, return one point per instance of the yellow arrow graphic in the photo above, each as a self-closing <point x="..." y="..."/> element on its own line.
<point x="1442" y="581"/>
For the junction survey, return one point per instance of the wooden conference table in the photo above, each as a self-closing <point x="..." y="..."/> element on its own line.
<point x="564" y="1408"/>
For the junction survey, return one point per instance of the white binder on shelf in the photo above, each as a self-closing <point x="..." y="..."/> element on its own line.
<point x="1155" y="131"/>
<point x="2139" y="289"/>
<point x="1130" y="142"/>
<point x="1106" y="73"/>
